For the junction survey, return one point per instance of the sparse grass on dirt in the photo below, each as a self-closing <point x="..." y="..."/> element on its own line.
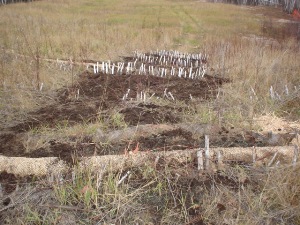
<point x="57" y="108"/>
<point x="241" y="194"/>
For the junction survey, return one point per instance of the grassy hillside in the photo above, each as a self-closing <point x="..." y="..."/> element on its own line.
<point x="103" y="30"/>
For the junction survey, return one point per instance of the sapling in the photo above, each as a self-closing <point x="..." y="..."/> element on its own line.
<point x="272" y="94"/>
<point x="203" y="72"/>
<point x="134" y="63"/>
<point x="219" y="159"/>
<point x="118" y="67"/>
<point x="207" y="152"/>
<point x="102" y="67"/>
<point x="95" y="70"/>
<point x="106" y="68"/>
<point x="113" y="69"/>
<point x="127" y="68"/>
<point x="190" y="74"/>
<point x="122" y="67"/>
<point x="253" y="155"/>
<point x="141" y="69"/>
<point x="73" y="177"/>
<point x="200" y="159"/>
<point x="273" y="159"/>
<point x="171" y="96"/>
<point x="108" y="63"/>
<point x="41" y="87"/>
<point x="286" y="90"/>
<point x="296" y="154"/>
<point x="1" y="191"/>
<point x="151" y="96"/>
<point x="77" y="95"/>
<point x="165" y="93"/>
<point x="144" y="69"/>
<point x="123" y="178"/>
<point x="160" y="59"/>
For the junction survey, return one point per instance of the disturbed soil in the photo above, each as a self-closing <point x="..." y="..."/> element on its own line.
<point x="97" y="95"/>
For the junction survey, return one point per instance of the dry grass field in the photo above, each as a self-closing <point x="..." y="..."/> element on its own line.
<point x="53" y="105"/>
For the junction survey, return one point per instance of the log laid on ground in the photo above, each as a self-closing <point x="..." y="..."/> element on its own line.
<point x="120" y="162"/>
<point x="22" y="166"/>
<point x="42" y="166"/>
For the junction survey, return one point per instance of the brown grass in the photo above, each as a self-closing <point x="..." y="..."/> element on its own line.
<point x="78" y="30"/>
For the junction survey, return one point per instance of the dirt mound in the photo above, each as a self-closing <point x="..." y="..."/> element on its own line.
<point x="100" y="94"/>
<point x="91" y="95"/>
<point x="95" y="92"/>
<point x="150" y="114"/>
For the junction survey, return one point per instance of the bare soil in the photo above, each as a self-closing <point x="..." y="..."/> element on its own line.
<point x="98" y="94"/>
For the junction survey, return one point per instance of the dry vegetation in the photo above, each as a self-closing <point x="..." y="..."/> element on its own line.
<point x="80" y="31"/>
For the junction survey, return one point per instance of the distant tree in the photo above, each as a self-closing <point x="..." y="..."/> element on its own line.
<point x="291" y="5"/>
<point x="4" y="2"/>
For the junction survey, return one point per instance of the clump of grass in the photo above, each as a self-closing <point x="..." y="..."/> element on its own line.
<point x="118" y="120"/>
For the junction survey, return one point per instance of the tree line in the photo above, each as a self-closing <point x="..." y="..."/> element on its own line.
<point x="288" y="5"/>
<point x="3" y="2"/>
